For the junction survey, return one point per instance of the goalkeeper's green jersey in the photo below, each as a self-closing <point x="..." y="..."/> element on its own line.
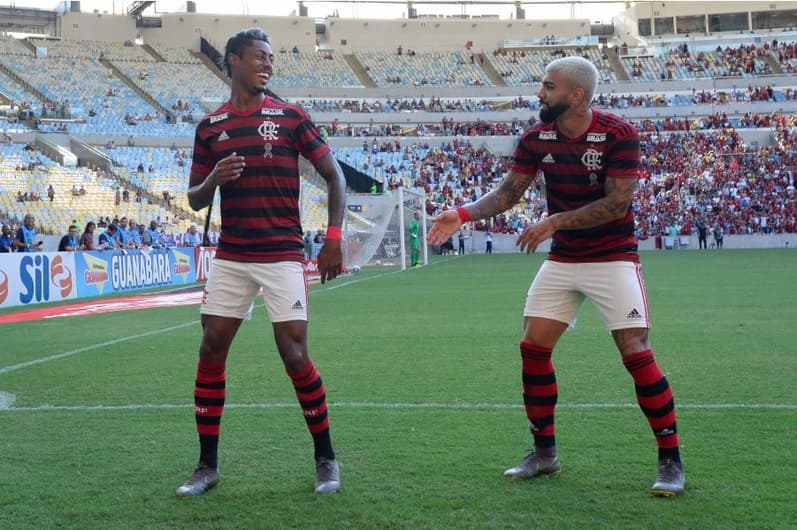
<point x="414" y="228"/>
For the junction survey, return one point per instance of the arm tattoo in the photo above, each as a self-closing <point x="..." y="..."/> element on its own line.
<point x="502" y="198"/>
<point x="614" y="205"/>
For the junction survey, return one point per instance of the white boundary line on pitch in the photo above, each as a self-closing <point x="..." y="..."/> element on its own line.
<point x="408" y="406"/>
<point x="20" y="366"/>
<point x="55" y="357"/>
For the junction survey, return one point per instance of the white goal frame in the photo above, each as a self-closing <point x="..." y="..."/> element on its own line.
<point x="375" y="228"/>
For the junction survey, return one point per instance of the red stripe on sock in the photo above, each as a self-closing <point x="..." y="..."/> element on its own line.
<point x="209" y="373"/>
<point x="536" y="362"/>
<point x="646" y="372"/>
<point x="305" y="377"/>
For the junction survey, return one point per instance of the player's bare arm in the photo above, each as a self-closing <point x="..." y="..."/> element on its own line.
<point x="619" y="193"/>
<point x="330" y="258"/>
<point x="330" y="171"/>
<point x="502" y="198"/>
<point x="499" y="200"/>
<point x="201" y="188"/>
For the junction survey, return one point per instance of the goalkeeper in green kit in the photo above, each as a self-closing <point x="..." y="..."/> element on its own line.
<point x="415" y="241"/>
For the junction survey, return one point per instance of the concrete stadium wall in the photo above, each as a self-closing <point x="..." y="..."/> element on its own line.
<point x="346" y="35"/>
<point x="97" y="26"/>
<point x="673" y="9"/>
<point x="282" y="31"/>
<point x="350" y="35"/>
<point x="183" y="30"/>
<point x="504" y="243"/>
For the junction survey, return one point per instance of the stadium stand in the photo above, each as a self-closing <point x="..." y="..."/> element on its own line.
<point x="395" y="132"/>
<point x="312" y="69"/>
<point x="448" y="69"/>
<point x="178" y="87"/>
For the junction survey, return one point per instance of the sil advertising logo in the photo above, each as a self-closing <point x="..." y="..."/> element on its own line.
<point x="43" y="279"/>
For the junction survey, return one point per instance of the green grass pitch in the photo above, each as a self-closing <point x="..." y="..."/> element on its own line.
<point x="422" y="372"/>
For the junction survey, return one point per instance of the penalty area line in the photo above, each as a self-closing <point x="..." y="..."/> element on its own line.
<point x="7" y="405"/>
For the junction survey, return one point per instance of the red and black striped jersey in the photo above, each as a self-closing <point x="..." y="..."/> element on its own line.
<point x="575" y="172"/>
<point x="260" y="210"/>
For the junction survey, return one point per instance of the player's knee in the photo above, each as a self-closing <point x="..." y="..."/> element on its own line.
<point x="212" y="354"/>
<point x="631" y="341"/>
<point x="294" y="360"/>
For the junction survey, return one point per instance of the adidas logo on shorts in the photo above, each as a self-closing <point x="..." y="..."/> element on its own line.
<point x="298" y="305"/>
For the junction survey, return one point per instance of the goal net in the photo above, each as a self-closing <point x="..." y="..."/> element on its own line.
<point x="376" y="228"/>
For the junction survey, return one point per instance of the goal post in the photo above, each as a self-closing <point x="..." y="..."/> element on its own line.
<point x="375" y="225"/>
<point x="376" y="228"/>
<point x="411" y="202"/>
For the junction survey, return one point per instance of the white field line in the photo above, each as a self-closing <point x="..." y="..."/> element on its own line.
<point x="397" y="406"/>
<point x="19" y="366"/>
<point x="7" y="399"/>
<point x="55" y="357"/>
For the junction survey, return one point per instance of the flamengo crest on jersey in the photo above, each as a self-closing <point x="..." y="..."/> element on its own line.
<point x="592" y="159"/>
<point x="268" y="130"/>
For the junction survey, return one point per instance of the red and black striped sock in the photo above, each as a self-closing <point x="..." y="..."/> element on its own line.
<point x="540" y="393"/>
<point x="209" y="394"/>
<point x="654" y="396"/>
<point x="313" y="399"/>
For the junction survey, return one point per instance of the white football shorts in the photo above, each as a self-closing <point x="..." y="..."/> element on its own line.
<point x="616" y="288"/>
<point x="233" y="285"/>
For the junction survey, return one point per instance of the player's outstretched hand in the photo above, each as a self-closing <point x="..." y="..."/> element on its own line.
<point x="330" y="260"/>
<point x="533" y="235"/>
<point x="443" y="227"/>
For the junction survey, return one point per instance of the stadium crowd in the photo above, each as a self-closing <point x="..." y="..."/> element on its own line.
<point x="693" y="167"/>
<point x="448" y="126"/>
<point x="688" y="172"/>
<point x="685" y="176"/>
<point x="751" y="93"/>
